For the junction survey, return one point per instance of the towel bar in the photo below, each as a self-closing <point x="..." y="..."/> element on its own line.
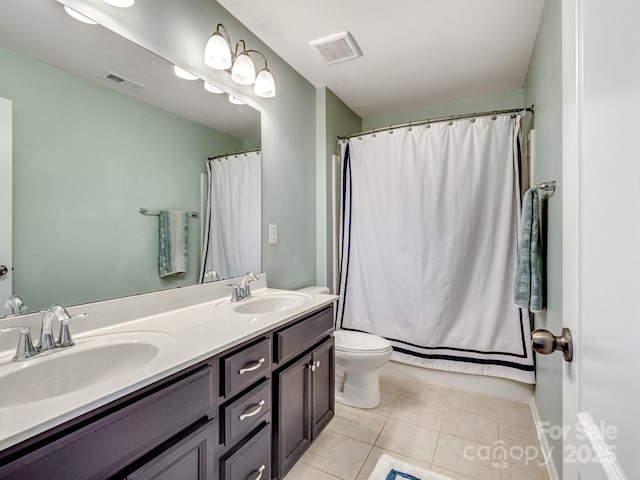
<point x="546" y="186"/>
<point x="145" y="211"/>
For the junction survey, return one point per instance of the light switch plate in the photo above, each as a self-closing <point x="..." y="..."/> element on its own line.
<point x="273" y="234"/>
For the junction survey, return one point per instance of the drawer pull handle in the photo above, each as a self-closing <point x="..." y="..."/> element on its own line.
<point x="255" y="411"/>
<point x="253" y="367"/>
<point x="260" y="470"/>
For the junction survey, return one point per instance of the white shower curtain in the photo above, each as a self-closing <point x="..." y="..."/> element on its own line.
<point x="430" y="222"/>
<point x="232" y="243"/>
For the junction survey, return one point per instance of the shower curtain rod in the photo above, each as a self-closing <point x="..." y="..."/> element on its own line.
<point x="450" y="118"/>
<point x="251" y="150"/>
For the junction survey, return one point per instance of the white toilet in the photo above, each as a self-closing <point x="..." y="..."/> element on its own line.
<point x="360" y="356"/>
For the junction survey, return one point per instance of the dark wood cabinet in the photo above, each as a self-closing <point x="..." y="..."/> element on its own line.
<point x="305" y="392"/>
<point x="248" y="413"/>
<point x="190" y="457"/>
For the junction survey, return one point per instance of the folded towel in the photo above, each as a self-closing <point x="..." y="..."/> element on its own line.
<point x="174" y="231"/>
<point x="528" y="290"/>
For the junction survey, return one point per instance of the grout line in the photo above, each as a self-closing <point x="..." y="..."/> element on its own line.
<point x="365" y="462"/>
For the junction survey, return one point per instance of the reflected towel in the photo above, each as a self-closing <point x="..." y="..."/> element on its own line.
<point x="173" y="242"/>
<point x="528" y="287"/>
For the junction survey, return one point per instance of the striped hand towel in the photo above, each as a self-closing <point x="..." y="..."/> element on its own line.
<point x="174" y="231"/>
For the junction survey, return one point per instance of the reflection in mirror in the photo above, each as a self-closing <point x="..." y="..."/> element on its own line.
<point x="88" y="153"/>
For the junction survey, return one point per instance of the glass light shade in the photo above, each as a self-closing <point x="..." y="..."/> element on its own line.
<point x="183" y="73"/>
<point x="265" y="85"/>
<point x="120" y="3"/>
<point x="236" y="100"/>
<point x="243" y="71"/>
<point x="212" y="88"/>
<point x="217" y="53"/>
<point x="78" y="16"/>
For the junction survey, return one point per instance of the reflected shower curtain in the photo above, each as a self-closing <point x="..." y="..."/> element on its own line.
<point x="430" y="226"/>
<point x="232" y="243"/>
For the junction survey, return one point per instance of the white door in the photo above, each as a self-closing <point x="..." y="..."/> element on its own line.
<point x="601" y="237"/>
<point x="6" y="150"/>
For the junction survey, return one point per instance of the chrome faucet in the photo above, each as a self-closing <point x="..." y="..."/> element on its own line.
<point x="16" y="305"/>
<point x="243" y="290"/>
<point x="210" y="276"/>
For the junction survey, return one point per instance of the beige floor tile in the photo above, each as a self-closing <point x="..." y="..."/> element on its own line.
<point x="389" y="384"/>
<point x="375" y="454"/>
<point x="302" y="471"/>
<point x="337" y="455"/>
<point x="418" y="412"/>
<point x="516" y="434"/>
<point x="450" y="474"/>
<point x="359" y="424"/>
<point x="409" y="440"/>
<point x="424" y="391"/>
<point x="464" y="456"/>
<point x="515" y="412"/>
<point x="387" y="402"/>
<point x="471" y="426"/>
<point x="473" y="403"/>
<point x="519" y="471"/>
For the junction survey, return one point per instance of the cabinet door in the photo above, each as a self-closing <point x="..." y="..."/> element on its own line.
<point x="322" y="386"/>
<point x="293" y="426"/>
<point x="191" y="458"/>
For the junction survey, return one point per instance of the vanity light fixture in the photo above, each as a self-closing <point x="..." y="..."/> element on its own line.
<point x="235" y="100"/>
<point x="120" y="3"/>
<point x="218" y="54"/>
<point x="78" y="16"/>
<point x="212" y="88"/>
<point x="182" y="73"/>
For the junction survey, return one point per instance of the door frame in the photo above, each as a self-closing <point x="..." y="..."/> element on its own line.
<point x="6" y="196"/>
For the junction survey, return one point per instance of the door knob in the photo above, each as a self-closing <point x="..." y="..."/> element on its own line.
<point x="545" y="342"/>
<point x="3" y="270"/>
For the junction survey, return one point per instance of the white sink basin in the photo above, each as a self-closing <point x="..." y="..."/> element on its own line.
<point x="271" y="303"/>
<point x="90" y="361"/>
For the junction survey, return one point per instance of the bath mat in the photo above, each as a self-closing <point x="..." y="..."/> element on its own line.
<point x="389" y="468"/>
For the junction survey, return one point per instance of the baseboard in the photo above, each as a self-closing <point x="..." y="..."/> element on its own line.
<point x="499" y="387"/>
<point x="544" y="442"/>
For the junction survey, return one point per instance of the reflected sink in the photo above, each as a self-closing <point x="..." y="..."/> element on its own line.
<point x="271" y="303"/>
<point x="90" y="361"/>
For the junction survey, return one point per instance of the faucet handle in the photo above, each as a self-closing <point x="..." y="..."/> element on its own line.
<point x="235" y="292"/>
<point x="64" y="336"/>
<point x="25" y="347"/>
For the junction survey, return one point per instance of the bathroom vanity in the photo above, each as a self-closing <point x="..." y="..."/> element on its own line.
<point x="247" y="411"/>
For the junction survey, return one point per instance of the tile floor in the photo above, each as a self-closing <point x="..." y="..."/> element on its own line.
<point x="457" y="433"/>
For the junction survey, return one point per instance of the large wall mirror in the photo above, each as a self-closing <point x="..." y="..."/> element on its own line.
<point x="89" y="152"/>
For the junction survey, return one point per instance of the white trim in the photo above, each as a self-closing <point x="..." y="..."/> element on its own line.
<point x="544" y="442"/>
<point x="6" y="195"/>
<point x="606" y="457"/>
<point x="321" y="186"/>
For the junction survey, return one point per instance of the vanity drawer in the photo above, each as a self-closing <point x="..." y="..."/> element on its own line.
<point x="243" y="367"/>
<point x="244" y="414"/>
<point x="252" y="461"/>
<point x="291" y="341"/>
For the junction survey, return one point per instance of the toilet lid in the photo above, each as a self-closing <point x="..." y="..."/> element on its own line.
<point x="359" y="341"/>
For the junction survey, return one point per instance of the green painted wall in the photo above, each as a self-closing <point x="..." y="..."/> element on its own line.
<point x="333" y="118"/>
<point x="86" y="158"/>
<point x="498" y="101"/>
<point x="544" y="89"/>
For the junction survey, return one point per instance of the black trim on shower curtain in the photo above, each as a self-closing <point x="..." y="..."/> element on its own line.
<point x="346" y="193"/>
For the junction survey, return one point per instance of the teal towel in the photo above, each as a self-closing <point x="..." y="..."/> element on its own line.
<point x="174" y="231"/>
<point x="528" y="287"/>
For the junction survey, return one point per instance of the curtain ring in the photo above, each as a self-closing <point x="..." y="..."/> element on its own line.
<point x="473" y="120"/>
<point x="450" y="122"/>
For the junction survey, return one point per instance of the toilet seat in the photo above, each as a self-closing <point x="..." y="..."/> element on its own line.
<point x="360" y="342"/>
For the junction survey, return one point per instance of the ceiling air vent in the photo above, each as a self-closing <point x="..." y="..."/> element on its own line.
<point x="121" y="81"/>
<point x="337" y="48"/>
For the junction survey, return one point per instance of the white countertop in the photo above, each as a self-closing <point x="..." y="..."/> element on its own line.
<point x="191" y="334"/>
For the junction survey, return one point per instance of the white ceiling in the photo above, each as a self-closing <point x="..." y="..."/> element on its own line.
<point x="41" y="29"/>
<point x="416" y="53"/>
